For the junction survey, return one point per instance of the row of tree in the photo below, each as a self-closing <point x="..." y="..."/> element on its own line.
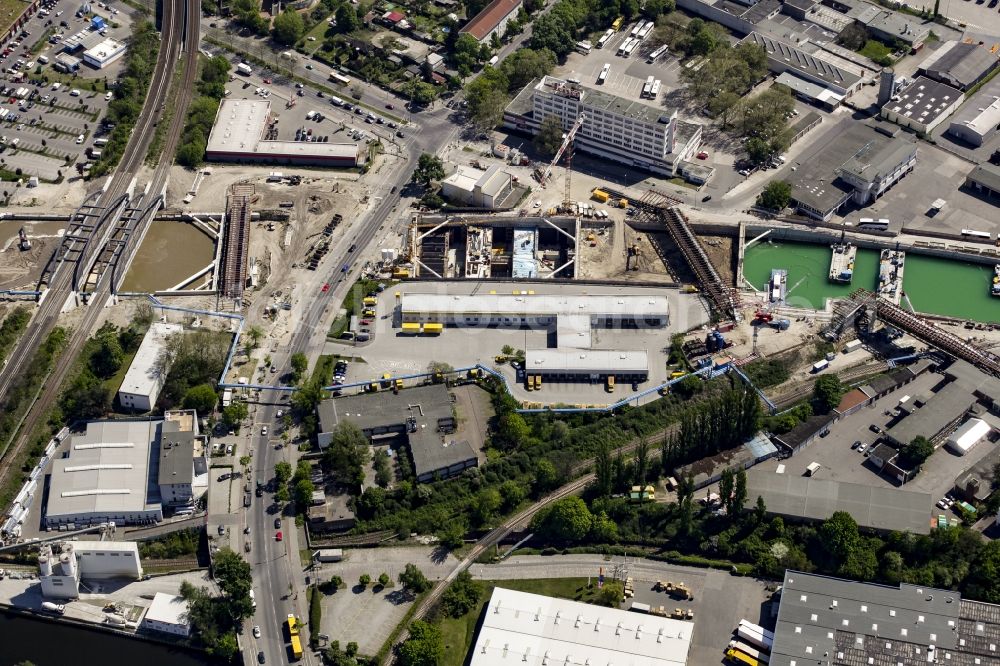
<point x="202" y="111"/>
<point x="215" y="619"/>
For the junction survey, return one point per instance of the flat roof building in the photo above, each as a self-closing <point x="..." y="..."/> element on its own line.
<point x="492" y="20"/>
<point x="472" y="187"/>
<point x="106" y="476"/>
<point x="846" y="623"/>
<point x="889" y="26"/>
<point x="182" y="459"/>
<point x="61" y="567"/>
<point x="785" y="58"/>
<point x="104" y="53"/>
<point x="922" y="105"/>
<point x="985" y="179"/>
<point x="938" y="412"/>
<point x="812" y="499"/>
<point x="628" y="131"/>
<point x="861" y="163"/>
<point x="978" y="119"/>
<point x="573" y="316"/>
<point x="960" y="65"/>
<point x="142" y="383"/>
<point x="520" y="628"/>
<point x="238" y="136"/>
<point x="168" y="614"/>
<point x="593" y="364"/>
<point x="422" y="415"/>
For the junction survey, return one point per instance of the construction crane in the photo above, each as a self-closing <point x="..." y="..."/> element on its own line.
<point x="566" y="146"/>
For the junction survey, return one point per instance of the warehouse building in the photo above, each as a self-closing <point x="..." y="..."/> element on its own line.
<point x="985" y="180"/>
<point x="861" y="165"/>
<point x="573" y="316"/>
<point x="968" y="435"/>
<point x="62" y="567"/>
<point x="183" y="465"/>
<point x="959" y="64"/>
<point x="105" y="477"/>
<point x="420" y="418"/>
<point x="492" y="20"/>
<point x="142" y="383"/>
<point x="104" y="53"/>
<point x="167" y="614"/>
<point x="587" y="364"/>
<point x="238" y="136"/>
<point x="922" y="105"/>
<point x="978" y="119"/>
<point x="805" y="498"/>
<point x="523" y="628"/>
<point x="824" y="82"/>
<point x="472" y="187"/>
<point x="846" y="623"/>
<point x="627" y="131"/>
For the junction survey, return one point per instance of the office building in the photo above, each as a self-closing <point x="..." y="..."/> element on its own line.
<point x="922" y="105"/>
<point x="472" y="187"/>
<point x="524" y="629"/>
<point x="492" y="20"/>
<point x="420" y="418"/>
<point x="142" y="383"/>
<point x="823" y="620"/>
<point x="630" y="132"/>
<point x="104" y="53"/>
<point x="977" y="121"/>
<point x="238" y="136"/>
<point x="167" y="614"/>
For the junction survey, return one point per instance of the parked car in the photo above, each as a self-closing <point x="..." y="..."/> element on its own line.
<point x="277" y="536"/>
<point x="277" y="523"/>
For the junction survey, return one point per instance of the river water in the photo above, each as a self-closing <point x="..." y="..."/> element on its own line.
<point x="47" y="643"/>
<point x="170" y="252"/>
<point x="934" y="286"/>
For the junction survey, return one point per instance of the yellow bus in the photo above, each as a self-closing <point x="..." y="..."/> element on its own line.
<point x="296" y="647"/>
<point x="433" y="328"/>
<point x="293" y="625"/>
<point x="411" y="328"/>
<point x="617" y="24"/>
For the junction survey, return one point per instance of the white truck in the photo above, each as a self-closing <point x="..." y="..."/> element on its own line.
<point x="244" y="69"/>
<point x="812" y="468"/>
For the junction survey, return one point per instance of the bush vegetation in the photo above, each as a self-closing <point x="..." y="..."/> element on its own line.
<point x="21" y="394"/>
<point x="12" y="328"/>
<point x="130" y="94"/>
<point x="202" y="111"/>
<point x="171" y="546"/>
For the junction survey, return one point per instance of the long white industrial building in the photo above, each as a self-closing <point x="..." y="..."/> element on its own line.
<point x="142" y="383"/>
<point x="524" y="629"/>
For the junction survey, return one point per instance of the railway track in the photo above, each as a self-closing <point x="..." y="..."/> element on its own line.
<point x="179" y="26"/>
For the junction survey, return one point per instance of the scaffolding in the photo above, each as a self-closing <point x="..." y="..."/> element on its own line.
<point x="725" y="299"/>
<point x="236" y="241"/>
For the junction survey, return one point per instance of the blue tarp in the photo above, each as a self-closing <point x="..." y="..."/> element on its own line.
<point x="97" y="23"/>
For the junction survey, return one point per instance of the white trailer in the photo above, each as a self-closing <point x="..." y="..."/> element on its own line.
<point x="244" y="69"/>
<point x="329" y="555"/>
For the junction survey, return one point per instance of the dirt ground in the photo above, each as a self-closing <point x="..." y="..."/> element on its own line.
<point x="720" y="252"/>
<point x="604" y="248"/>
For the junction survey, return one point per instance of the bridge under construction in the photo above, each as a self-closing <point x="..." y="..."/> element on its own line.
<point x="235" y="241"/>
<point x="865" y="303"/>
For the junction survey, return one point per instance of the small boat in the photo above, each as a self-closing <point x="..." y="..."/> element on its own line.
<point x="995" y="287"/>
<point x="779" y="285"/>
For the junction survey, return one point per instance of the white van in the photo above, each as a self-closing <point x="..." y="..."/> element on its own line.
<point x="310" y="115"/>
<point x="74" y="93"/>
<point x="80" y="139"/>
<point x="812" y="468"/>
<point x="44" y="60"/>
<point x="56" y="86"/>
<point x="108" y="96"/>
<point x="336" y="101"/>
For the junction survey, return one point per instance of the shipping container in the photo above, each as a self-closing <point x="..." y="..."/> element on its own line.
<point x="750" y="651"/>
<point x="852" y="346"/>
<point x="433" y="328"/>
<point x="638" y="607"/>
<point x="600" y="195"/>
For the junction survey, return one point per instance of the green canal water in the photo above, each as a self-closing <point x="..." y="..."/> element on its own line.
<point x="935" y="286"/>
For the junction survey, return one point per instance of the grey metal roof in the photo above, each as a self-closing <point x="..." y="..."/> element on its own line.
<point x="176" y="454"/>
<point x="943" y="407"/>
<point x="924" y="100"/>
<point x="385" y="411"/>
<point x="900" y="26"/>
<point x="968" y="375"/>
<point x="836" y="621"/>
<point x="986" y="174"/>
<point x="878" y="156"/>
<point x="962" y="63"/>
<point x="798" y="60"/>
<point x="810" y="498"/>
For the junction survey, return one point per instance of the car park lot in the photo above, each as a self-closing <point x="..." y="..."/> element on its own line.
<point x="842" y="461"/>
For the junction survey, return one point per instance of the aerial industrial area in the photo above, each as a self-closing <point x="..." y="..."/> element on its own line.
<point x="476" y="332"/>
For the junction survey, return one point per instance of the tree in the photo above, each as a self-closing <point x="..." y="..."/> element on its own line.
<point x="364" y="580"/>
<point x="550" y="136"/>
<point x="524" y="65"/>
<point x="347" y="18"/>
<point x="511" y="431"/>
<point x="383" y="468"/>
<point x="567" y="521"/>
<point x="424" y="647"/>
<point x="233" y="575"/>
<point x="110" y="355"/>
<point x="545" y="476"/>
<point x="383" y="580"/>
<point x="758" y="150"/>
<point x="611" y="594"/>
<point x="421" y="93"/>
<point x="653" y="9"/>
<point x="429" y="168"/>
<point x="827" y="392"/>
<point x="739" y="493"/>
<point x="485" y="505"/>
<point x="466" y="52"/>
<point x="760" y="511"/>
<point x="917" y="451"/>
<point x="854" y="36"/>
<point x="201" y="398"/>
<point x="256" y="334"/>
<point x="282" y="472"/>
<point x="303" y="492"/>
<point x="413" y="580"/>
<point x="299" y="365"/>
<point x="983" y="581"/>
<point x="288" y="27"/>
<point x="512" y="494"/>
<point x="347" y="454"/>
<point x="372" y="502"/>
<point x="775" y="196"/>
<point x="603" y="529"/>
<point x="234" y="414"/>
<point x="461" y="596"/>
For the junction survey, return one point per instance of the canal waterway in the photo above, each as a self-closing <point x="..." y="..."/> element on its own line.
<point x="934" y="285"/>
<point x="170" y="252"/>
<point x="47" y="643"/>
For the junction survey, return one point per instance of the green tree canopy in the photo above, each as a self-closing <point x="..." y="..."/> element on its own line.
<point x="917" y="451"/>
<point x="413" y="579"/>
<point x="827" y="392"/>
<point x="424" y="646"/>
<point x="429" y="168"/>
<point x="567" y="521"/>
<point x="776" y="195"/>
<point x="288" y="27"/>
<point x="550" y="136"/>
<point x="201" y="398"/>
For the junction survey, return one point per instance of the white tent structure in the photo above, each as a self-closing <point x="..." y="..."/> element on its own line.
<point x="968" y="435"/>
